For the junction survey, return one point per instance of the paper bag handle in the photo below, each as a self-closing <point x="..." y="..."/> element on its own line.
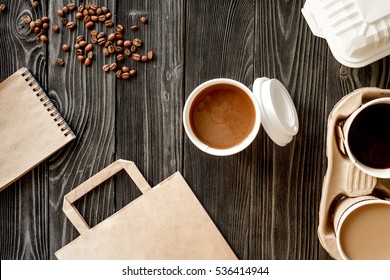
<point x="71" y="211"/>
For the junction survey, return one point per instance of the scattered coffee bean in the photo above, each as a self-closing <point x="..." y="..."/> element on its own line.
<point x="90" y="55"/>
<point x="77" y="46"/>
<point x="98" y="11"/>
<point x="133" y="72"/>
<point x="101" y="35"/>
<point x="127" y="52"/>
<point x="144" y="58"/>
<point x="71" y="6"/>
<point x="113" y="66"/>
<point x="108" y="15"/>
<point x="107" y="44"/>
<point x="95" y="18"/>
<point x="127" y="43"/>
<point x="108" y="23"/>
<point x="102" y="41"/>
<point x="65" y="10"/>
<point x="118" y="49"/>
<point x="87" y="18"/>
<point x="119" y="28"/>
<point x="102" y="18"/>
<point x="133" y="48"/>
<point x="35" y="5"/>
<point x="65" y="48"/>
<point x="79" y="52"/>
<point x="150" y="55"/>
<point x="80" y="9"/>
<point x="40" y="33"/>
<point x="105" y="10"/>
<point x="45" y="19"/>
<point x="89" y="48"/>
<point x="3" y="7"/>
<point x="37" y="30"/>
<point x="93" y="7"/>
<point x="105" y="52"/>
<point x="120" y="57"/>
<point x="45" y="25"/>
<point x="43" y="39"/>
<point x="119" y="42"/>
<point x="32" y="25"/>
<point x="136" y="57"/>
<point x="143" y="20"/>
<point x="79" y="15"/>
<point x="88" y="62"/>
<point x="55" y="28"/>
<point x="94" y="33"/>
<point x="111" y="49"/>
<point x="27" y="19"/>
<point x="79" y="39"/>
<point x="64" y="21"/>
<point x="89" y="25"/>
<point x="125" y="69"/>
<point x="106" y="67"/>
<point x="137" y="42"/>
<point x="71" y="25"/>
<point x="134" y="27"/>
<point x="119" y="36"/>
<point x="118" y="74"/>
<point x="81" y="58"/>
<point x="60" y="61"/>
<point x="60" y="13"/>
<point x="83" y="44"/>
<point x="125" y="76"/>
<point x="38" y="22"/>
<point x="94" y="39"/>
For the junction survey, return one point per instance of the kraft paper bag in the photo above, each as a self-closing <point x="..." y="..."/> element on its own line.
<point x="165" y="222"/>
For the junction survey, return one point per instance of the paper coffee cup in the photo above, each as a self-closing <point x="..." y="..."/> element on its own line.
<point x="362" y="227"/>
<point x="373" y="171"/>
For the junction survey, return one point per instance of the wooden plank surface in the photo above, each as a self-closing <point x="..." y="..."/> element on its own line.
<point x="264" y="200"/>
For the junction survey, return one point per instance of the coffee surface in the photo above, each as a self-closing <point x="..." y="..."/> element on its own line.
<point x="365" y="233"/>
<point x="222" y="116"/>
<point x="369" y="136"/>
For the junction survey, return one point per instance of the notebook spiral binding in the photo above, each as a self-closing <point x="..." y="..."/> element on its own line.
<point x="47" y="103"/>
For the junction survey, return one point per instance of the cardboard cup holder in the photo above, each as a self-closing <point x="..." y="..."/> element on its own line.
<point x="343" y="179"/>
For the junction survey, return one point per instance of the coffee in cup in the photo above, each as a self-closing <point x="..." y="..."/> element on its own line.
<point x="222" y="116"/>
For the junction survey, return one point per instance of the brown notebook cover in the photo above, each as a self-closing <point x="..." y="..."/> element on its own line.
<point x="31" y="128"/>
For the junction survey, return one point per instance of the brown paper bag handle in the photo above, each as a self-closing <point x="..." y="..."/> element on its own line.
<point x="70" y="210"/>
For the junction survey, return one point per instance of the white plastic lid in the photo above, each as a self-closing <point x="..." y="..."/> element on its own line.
<point x="278" y="114"/>
<point x="357" y="31"/>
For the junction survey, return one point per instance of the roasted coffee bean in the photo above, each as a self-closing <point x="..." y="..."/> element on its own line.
<point x="119" y="43"/>
<point x="71" y="6"/>
<point x="113" y="66"/>
<point x="80" y="9"/>
<point x="85" y="13"/>
<point x="102" y="41"/>
<point x="45" y="19"/>
<point x="55" y="28"/>
<point x="127" y="52"/>
<point x="83" y="44"/>
<point x="26" y="19"/>
<point x="89" y="25"/>
<point x="38" y="22"/>
<point x="134" y="27"/>
<point x="35" y="5"/>
<point x="71" y="25"/>
<point x="144" y="58"/>
<point x="106" y="67"/>
<point x="137" y="42"/>
<point x="79" y="52"/>
<point x="65" y="10"/>
<point x="40" y="33"/>
<point x="108" y="15"/>
<point x="79" y="39"/>
<point x="118" y="49"/>
<point x="118" y="74"/>
<point x="37" y="30"/>
<point x="105" y="52"/>
<point x="43" y="39"/>
<point x="32" y="25"/>
<point x="87" y="18"/>
<point x="108" y="43"/>
<point x="60" y="61"/>
<point x="94" y="33"/>
<point x="136" y="57"/>
<point x="93" y="7"/>
<point x="89" y="48"/>
<point x="79" y="15"/>
<point x="95" y="18"/>
<point x="111" y="49"/>
<point x="99" y="11"/>
<point x="119" y="28"/>
<point x="125" y="76"/>
<point x="3" y="7"/>
<point x="65" y="48"/>
<point x="111" y="37"/>
<point x="119" y="36"/>
<point x="90" y="55"/>
<point x="64" y="21"/>
<point x="108" y="23"/>
<point x="81" y="58"/>
<point x="102" y="18"/>
<point x="150" y="55"/>
<point x="133" y="72"/>
<point x="101" y="35"/>
<point x="88" y="62"/>
<point x="125" y="69"/>
<point x="94" y="39"/>
<point x="45" y="25"/>
<point x="133" y="48"/>
<point x="127" y="43"/>
<point x="87" y="6"/>
<point x="143" y="20"/>
<point x="120" y="57"/>
<point x="91" y="12"/>
<point x="77" y="46"/>
<point x="105" y="10"/>
<point x="60" y="13"/>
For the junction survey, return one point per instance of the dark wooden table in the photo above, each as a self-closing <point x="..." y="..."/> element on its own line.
<point x="264" y="200"/>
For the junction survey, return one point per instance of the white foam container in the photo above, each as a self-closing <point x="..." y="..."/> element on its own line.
<point x="357" y="31"/>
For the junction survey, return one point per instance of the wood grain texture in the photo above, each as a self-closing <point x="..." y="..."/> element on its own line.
<point x="23" y="205"/>
<point x="264" y="200"/>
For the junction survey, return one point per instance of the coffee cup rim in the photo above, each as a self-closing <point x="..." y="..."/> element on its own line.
<point x="353" y="207"/>
<point x="202" y="146"/>
<point x="379" y="173"/>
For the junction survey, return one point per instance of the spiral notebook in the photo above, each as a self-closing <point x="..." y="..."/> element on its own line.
<point x="31" y="128"/>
